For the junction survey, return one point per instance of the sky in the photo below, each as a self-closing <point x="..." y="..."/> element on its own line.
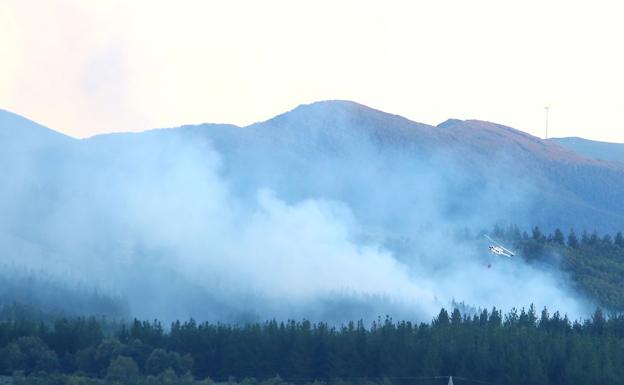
<point x="89" y="67"/>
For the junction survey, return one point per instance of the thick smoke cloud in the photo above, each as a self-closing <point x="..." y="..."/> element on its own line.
<point x="181" y="227"/>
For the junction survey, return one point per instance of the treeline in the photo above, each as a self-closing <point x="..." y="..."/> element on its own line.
<point x="520" y="347"/>
<point x="48" y="294"/>
<point x="595" y="263"/>
<point x="572" y="239"/>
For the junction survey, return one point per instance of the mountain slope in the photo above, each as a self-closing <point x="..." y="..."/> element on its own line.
<point x="334" y="149"/>
<point x="575" y="191"/>
<point x="204" y="220"/>
<point x="347" y="146"/>
<point x="593" y="149"/>
<point x="19" y="133"/>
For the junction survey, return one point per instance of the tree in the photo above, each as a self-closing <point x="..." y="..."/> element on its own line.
<point x="443" y="318"/>
<point x="558" y="237"/>
<point x="593" y="239"/>
<point x="161" y="360"/>
<point x="545" y="317"/>
<point x="10" y="359"/>
<point x="619" y="239"/>
<point x="537" y="234"/>
<point x="168" y="377"/>
<point x="456" y="318"/>
<point x="29" y="354"/>
<point x="122" y="370"/>
<point x="71" y="335"/>
<point x="598" y="321"/>
<point x="573" y="240"/>
<point x="157" y="362"/>
<point x="529" y="318"/>
<point x="497" y="232"/>
<point x="514" y="233"/>
<point x="496" y="317"/>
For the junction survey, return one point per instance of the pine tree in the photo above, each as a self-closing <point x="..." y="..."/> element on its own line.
<point x="593" y="239"/>
<point x="532" y="315"/>
<point x="515" y="233"/>
<point x="443" y="318"/>
<point x="456" y="317"/>
<point x="619" y="239"/>
<point x="558" y="238"/>
<point x="573" y="240"/>
<point x="496" y="317"/>
<point x="544" y="318"/>
<point x="497" y="232"/>
<point x="598" y="321"/>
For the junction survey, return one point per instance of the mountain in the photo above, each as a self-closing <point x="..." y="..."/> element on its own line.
<point x="593" y="149"/>
<point x="335" y="149"/>
<point x="19" y="133"/>
<point x="488" y="171"/>
<point x="210" y="218"/>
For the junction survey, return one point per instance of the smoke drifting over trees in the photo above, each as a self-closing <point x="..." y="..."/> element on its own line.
<point x="227" y="223"/>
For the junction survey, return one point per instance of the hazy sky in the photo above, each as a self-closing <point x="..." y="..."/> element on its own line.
<point x="86" y="67"/>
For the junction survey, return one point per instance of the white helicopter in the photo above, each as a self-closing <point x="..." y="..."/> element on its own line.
<point x="498" y="249"/>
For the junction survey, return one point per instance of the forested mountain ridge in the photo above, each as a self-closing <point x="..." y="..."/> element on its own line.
<point x="207" y="208"/>
<point x="561" y="181"/>
<point x="45" y="296"/>
<point x="594" y="263"/>
<point x="310" y="136"/>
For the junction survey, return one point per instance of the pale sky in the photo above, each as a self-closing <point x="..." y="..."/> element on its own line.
<point x="88" y="67"/>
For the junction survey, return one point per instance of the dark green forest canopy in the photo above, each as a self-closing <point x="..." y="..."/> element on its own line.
<point x="522" y="347"/>
<point x="594" y="263"/>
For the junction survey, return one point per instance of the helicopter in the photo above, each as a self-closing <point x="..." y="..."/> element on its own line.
<point x="498" y="249"/>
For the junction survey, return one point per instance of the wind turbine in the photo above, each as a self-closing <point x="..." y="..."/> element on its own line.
<point x="547" y="111"/>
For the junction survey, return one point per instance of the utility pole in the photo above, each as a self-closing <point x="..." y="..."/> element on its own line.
<point x="547" y="110"/>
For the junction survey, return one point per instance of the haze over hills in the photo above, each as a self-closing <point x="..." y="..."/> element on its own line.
<point x="568" y="183"/>
<point x="235" y="219"/>
<point x="568" y="189"/>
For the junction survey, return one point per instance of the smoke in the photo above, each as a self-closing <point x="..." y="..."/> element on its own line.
<point x="181" y="226"/>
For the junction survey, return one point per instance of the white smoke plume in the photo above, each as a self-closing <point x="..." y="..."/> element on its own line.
<point x="162" y="220"/>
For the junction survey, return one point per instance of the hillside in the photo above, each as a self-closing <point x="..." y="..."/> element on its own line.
<point x="593" y="149"/>
<point x="19" y="133"/>
<point x="305" y="215"/>
<point x="557" y="187"/>
<point x="523" y="179"/>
